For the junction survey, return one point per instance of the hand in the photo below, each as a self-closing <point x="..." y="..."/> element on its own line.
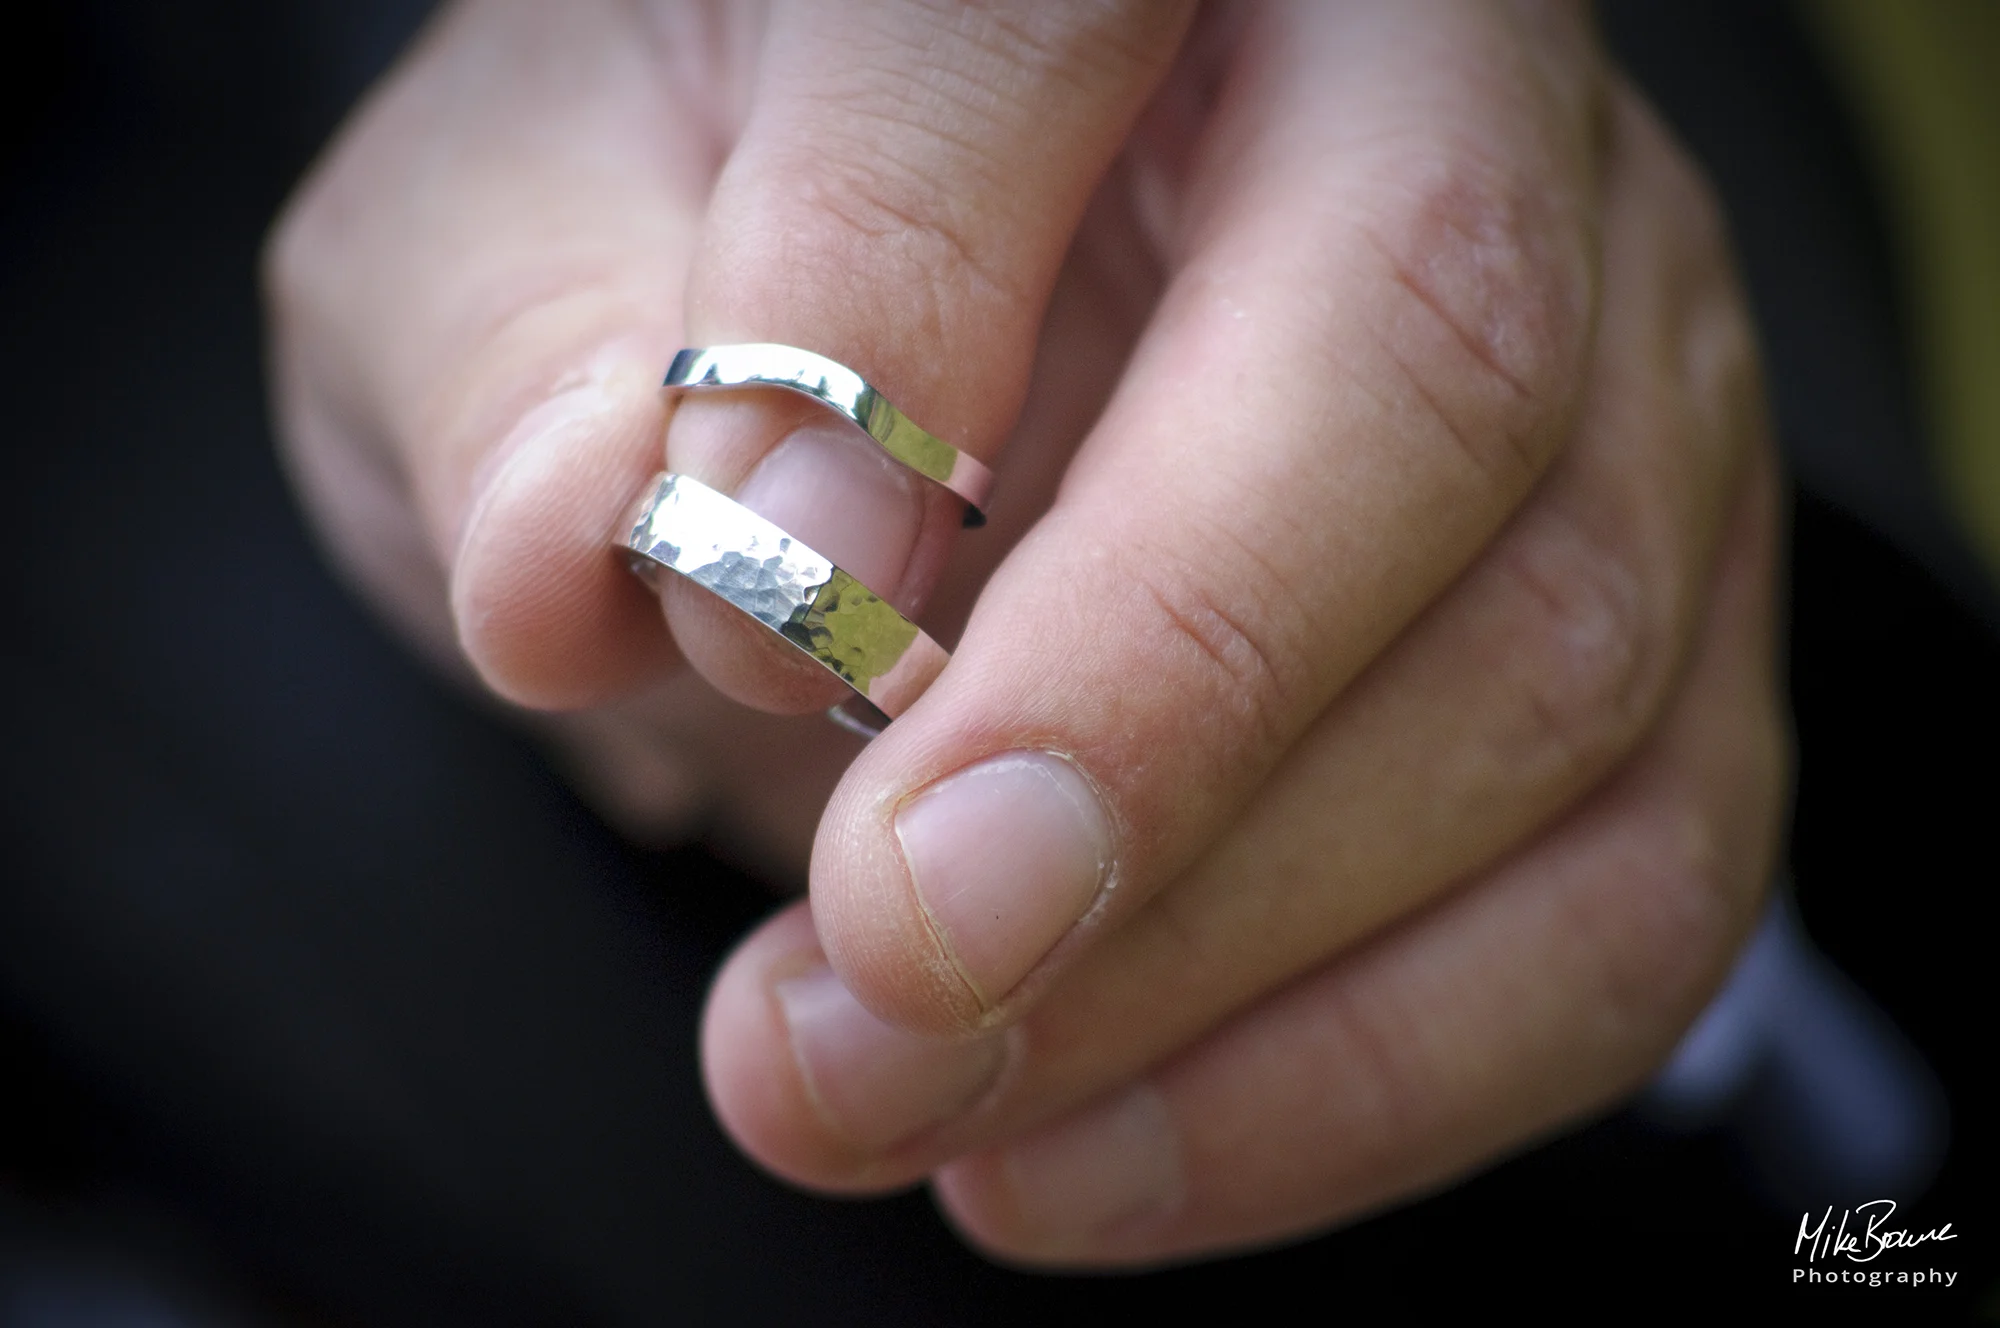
<point x="1364" y="755"/>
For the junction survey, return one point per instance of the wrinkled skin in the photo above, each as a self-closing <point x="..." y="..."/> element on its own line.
<point x="1361" y="753"/>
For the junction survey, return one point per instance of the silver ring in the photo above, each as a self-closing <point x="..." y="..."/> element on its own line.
<point x="842" y="625"/>
<point x="766" y="364"/>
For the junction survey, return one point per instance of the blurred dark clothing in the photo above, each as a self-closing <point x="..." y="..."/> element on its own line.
<point x="320" y="998"/>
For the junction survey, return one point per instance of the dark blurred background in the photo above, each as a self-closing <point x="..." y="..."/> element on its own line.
<point x="322" y="1000"/>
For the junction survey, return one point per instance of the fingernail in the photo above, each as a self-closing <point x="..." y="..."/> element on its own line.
<point x="1006" y="856"/>
<point x="1116" y="1165"/>
<point x="874" y="1084"/>
<point x="841" y="496"/>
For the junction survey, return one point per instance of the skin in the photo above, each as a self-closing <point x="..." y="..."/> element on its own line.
<point x="1382" y="560"/>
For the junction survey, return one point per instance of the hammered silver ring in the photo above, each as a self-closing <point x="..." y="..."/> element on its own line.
<point x="767" y="364"/>
<point x="686" y="527"/>
<point x="841" y="625"/>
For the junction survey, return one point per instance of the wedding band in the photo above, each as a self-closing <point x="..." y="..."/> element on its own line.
<point x="846" y="628"/>
<point x="766" y="364"/>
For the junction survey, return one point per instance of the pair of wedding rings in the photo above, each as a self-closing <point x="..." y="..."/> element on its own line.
<point x="843" y="626"/>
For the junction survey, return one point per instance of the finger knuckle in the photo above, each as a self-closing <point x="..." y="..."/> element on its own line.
<point x="1719" y="362"/>
<point x="1691" y="201"/>
<point x="1233" y="637"/>
<point x="294" y="250"/>
<point x="1677" y="900"/>
<point x="865" y="218"/>
<point x="1391" y="1052"/>
<point x="941" y="96"/>
<point x="1088" y="43"/>
<point x="1587" y="651"/>
<point x="1489" y="292"/>
<point x="1659" y="927"/>
<point x="1676" y="186"/>
<point x="886" y="203"/>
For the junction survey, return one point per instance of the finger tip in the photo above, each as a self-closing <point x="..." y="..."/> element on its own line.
<point x="977" y="1199"/>
<point x="550" y="623"/>
<point x="753" y="1079"/>
<point x="1104" y="1186"/>
<point x="546" y="610"/>
<point x="972" y="1194"/>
